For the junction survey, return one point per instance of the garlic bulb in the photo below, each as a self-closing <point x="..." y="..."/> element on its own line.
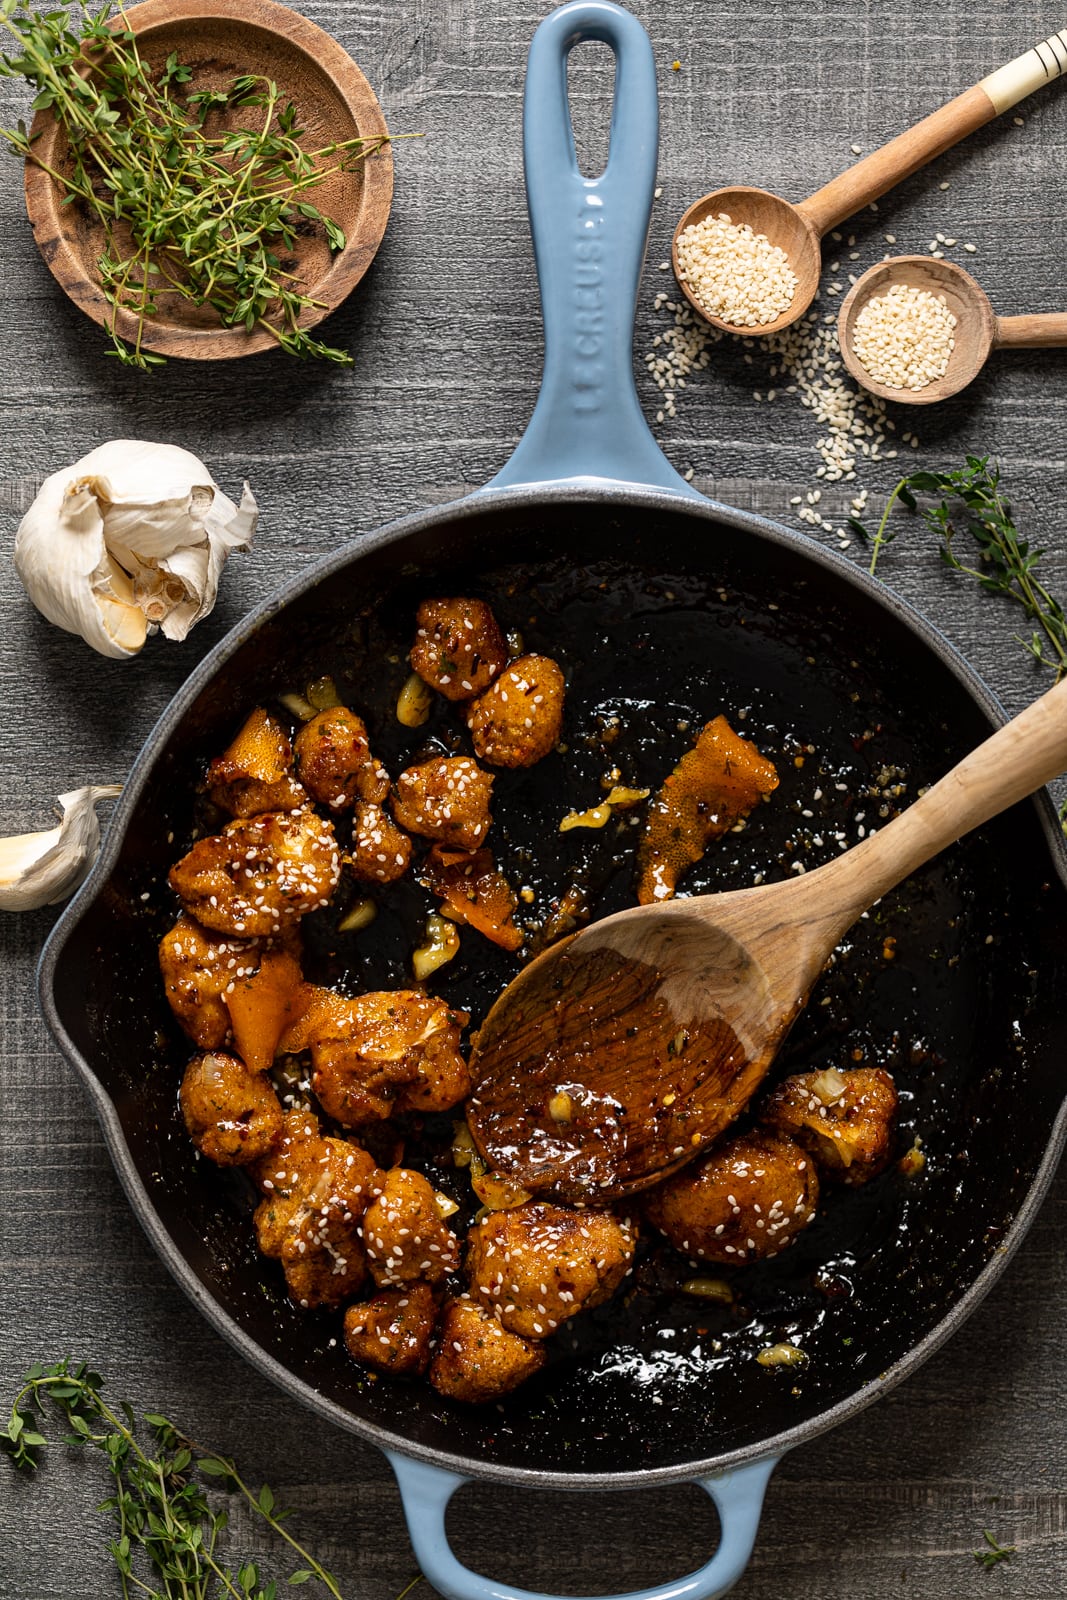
<point x="131" y="538"/>
<point x="40" y="869"/>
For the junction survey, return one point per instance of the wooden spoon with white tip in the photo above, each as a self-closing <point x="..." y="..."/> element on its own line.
<point x="621" y="1052"/>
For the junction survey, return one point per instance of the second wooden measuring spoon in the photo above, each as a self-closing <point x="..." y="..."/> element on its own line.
<point x="621" y="1052"/>
<point x="798" y="229"/>
<point x="978" y="331"/>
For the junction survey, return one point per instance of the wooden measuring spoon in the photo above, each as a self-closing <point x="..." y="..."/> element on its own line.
<point x="798" y="229"/>
<point x="623" y="1051"/>
<point x="978" y="332"/>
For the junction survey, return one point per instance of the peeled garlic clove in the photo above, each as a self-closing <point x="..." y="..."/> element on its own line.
<point x="41" y="869"/>
<point x="131" y="537"/>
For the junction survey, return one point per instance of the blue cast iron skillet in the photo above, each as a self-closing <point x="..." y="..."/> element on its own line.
<point x="652" y="595"/>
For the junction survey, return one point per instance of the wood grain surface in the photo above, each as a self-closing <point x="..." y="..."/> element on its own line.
<point x="446" y="333"/>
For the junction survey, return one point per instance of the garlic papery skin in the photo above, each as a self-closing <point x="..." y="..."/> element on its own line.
<point x="131" y="538"/>
<point x="40" y="869"/>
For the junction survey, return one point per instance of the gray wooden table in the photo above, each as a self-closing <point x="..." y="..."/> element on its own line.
<point x="446" y="337"/>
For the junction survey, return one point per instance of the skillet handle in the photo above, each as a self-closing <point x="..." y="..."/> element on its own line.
<point x="426" y="1491"/>
<point x="589" y="237"/>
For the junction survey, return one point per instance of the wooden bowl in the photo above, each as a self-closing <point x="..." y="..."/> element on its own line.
<point x="219" y="40"/>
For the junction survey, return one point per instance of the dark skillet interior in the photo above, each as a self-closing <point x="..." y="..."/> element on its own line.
<point x="962" y="1007"/>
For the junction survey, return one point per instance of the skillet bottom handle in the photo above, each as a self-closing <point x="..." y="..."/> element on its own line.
<point x="426" y="1490"/>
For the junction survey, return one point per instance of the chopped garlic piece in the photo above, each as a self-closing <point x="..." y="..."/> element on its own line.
<point x="323" y="694"/>
<point x="781" y="1355"/>
<point x="829" y="1085"/>
<point x="496" y="1192"/>
<point x="561" y="1107"/>
<point x="299" y="706"/>
<point x="442" y="944"/>
<point x="361" y="915"/>
<point x="413" y="702"/>
<point x="709" y="1289"/>
<point x="596" y="818"/>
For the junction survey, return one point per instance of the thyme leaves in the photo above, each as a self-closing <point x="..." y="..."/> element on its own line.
<point x="167" y="1543"/>
<point x="200" y="194"/>
<point x="971" y="514"/>
<point x="994" y="1554"/>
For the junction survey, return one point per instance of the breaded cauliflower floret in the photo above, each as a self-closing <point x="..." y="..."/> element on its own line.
<point x="380" y="1052"/>
<point x="233" y="1115"/>
<point x="260" y="874"/>
<point x="746" y="1200"/>
<point x="317" y="1190"/>
<point x="459" y="648"/>
<point x="255" y="774"/>
<point x="392" y="1331"/>
<point x="518" y="719"/>
<point x="332" y="757"/>
<point x="446" y="798"/>
<point x="229" y="989"/>
<point x="380" y="851"/>
<point x="443" y="1078"/>
<point x="403" y="1234"/>
<point x="478" y="1360"/>
<point x="538" y="1264"/>
<point x="198" y="967"/>
<point x="844" y="1118"/>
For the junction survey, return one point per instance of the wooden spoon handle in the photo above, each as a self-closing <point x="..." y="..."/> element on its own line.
<point x="880" y="171"/>
<point x="1043" y="331"/>
<point x="850" y="191"/>
<point x="1021" y="756"/>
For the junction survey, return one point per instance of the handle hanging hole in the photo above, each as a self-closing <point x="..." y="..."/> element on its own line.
<point x="591" y="96"/>
<point x="569" y="1543"/>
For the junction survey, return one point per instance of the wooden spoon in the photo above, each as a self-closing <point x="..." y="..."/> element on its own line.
<point x="978" y="332"/>
<point x="798" y="229"/>
<point x="623" y="1051"/>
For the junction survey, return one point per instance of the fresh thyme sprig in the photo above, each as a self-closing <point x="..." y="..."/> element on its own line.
<point x="214" y="218"/>
<point x="995" y="1553"/>
<point x="972" y="505"/>
<point x="167" y="1531"/>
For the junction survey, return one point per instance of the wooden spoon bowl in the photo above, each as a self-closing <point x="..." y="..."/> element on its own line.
<point x="978" y="332"/>
<point x="220" y="40"/>
<point x="975" y="331"/>
<point x="782" y="223"/>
